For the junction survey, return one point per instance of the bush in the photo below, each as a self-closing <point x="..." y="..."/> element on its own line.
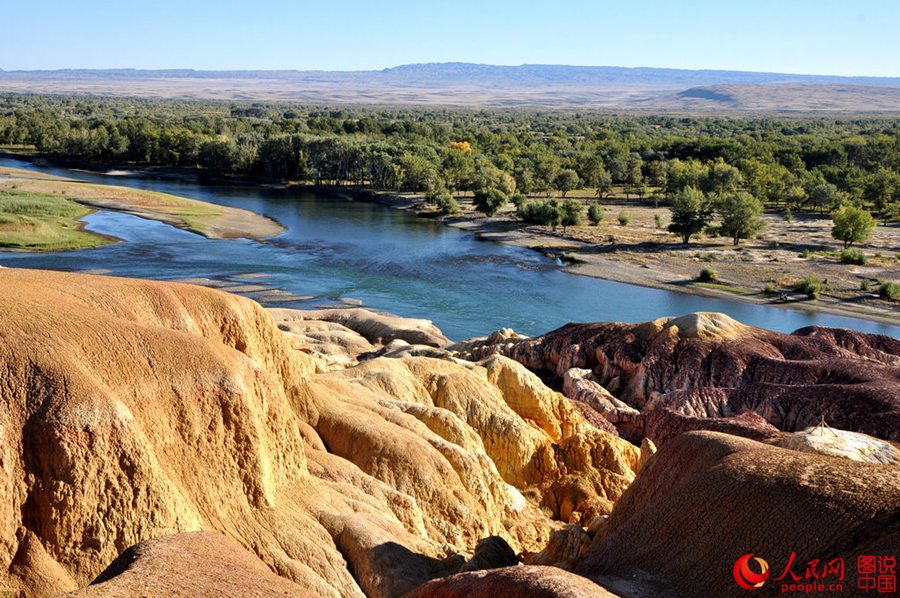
<point x="489" y="200"/>
<point x="624" y="218"/>
<point x="708" y="274"/>
<point x="572" y="213"/>
<point x="811" y="286"/>
<point x="852" y="256"/>
<point x="864" y="285"/>
<point x="658" y="220"/>
<point x="806" y="254"/>
<point x="547" y="213"/>
<point x="769" y="289"/>
<point x="446" y="204"/>
<point x="889" y="290"/>
<point x="595" y="214"/>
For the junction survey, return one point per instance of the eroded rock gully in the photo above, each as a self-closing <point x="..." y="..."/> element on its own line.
<point x="160" y="439"/>
<point x="135" y="410"/>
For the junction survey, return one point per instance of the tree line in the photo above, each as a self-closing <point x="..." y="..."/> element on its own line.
<point x="790" y="164"/>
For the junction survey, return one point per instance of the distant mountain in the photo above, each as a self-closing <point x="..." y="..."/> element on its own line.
<point x="473" y="85"/>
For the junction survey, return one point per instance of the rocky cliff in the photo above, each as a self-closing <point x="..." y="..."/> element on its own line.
<point x="135" y="410"/>
<point x="704" y="371"/>
<point x="161" y="439"/>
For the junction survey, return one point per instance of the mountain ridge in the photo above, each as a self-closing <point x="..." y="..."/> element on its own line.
<point x="482" y="85"/>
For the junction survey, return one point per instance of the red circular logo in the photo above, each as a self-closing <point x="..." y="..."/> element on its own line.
<point x="746" y="577"/>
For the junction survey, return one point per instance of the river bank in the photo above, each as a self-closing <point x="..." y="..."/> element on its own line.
<point x="644" y="254"/>
<point x="760" y="271"/>
<point x="210" y="220"/>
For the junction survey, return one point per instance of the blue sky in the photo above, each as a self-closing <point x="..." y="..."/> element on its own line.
<point x="849" y="37"/>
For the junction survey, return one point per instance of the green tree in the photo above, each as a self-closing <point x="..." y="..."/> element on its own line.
<point x="417" y="173"/>
<point x="741" y="215"/>
<point x="489" y="200"/>
<point x="852" y="225"/>
<point x="567" y="180"/>
<point x="572" y="213"/>
<point x="691" y="213"/>
<point x="595" y="214"/>
<point x="825" y="196"/>
<point x="721" y="177"/>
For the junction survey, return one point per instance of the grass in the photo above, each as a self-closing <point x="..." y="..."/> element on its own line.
<point x="708" y="274"/>
<point x="43" y="223"/>
<point x="811" y="286"/>
<point x="889" y="290"/>
<point x="20" y="150"/>
<point x="717" y="286"/>
<point x="196" y="216"/>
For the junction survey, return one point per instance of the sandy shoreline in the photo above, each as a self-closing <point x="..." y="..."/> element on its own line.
<point x="209" y="220"/>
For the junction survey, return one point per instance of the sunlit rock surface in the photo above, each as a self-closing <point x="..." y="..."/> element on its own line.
<point x="134" y="410"/>
<point x="704" y="367"/>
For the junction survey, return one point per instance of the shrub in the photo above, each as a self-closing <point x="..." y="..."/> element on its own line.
<point x="489" y="200"/>
<point x="852" y="256"/>
<point x="769" y="289"/>
<point x="572" y="213"/>
<point x="811" y="286"/>
<point x="708" y="274"/>
<point x="889" y="290"/>
<point x="546" y="213"/>
<point x="806" y="254"/>
<point x="624" y="218"/>
<point x="446" y="204"/>
<point x="595" y="214"/>
<point x="658" y="220"/>
<point x="864" y="285"/>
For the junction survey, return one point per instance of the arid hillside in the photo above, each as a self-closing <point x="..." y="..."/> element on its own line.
<point x="482" y="85"/>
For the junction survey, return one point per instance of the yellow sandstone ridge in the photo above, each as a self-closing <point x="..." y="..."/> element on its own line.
<point x="133" y="410"/>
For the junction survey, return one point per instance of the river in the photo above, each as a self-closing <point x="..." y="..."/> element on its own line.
<point x="338" y="251"/>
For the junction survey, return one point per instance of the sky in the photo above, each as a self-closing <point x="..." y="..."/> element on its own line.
<point x="835" y="37"/>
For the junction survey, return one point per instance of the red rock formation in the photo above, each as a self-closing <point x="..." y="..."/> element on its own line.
<point x="708" y="498"/>
<point x="512" y="582"/>
<point x="709" y="366"/>
<point x="662" y="425"/>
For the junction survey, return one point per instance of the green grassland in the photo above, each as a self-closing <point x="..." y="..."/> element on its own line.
<point x="43" y="223"/>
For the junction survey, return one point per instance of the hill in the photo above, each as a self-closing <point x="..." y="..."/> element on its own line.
<point x="475" y="85"/>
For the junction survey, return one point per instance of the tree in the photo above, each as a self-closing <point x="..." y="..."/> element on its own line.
<point x="489" y="200"/>
<point x="594" y="174"/>
<point x="691" y="213"/>
<point x="740" y="213"/>
<point x="824" y="197"/>
<point x="657" y="174"/>
<point x="458" y="165"/>
<point x="634" y="177"/>
<point x="567" y="180"/>
<point x="721" y="177"/>
<point x="852" y="225"/>
<point x="595" y="214"/>
<point x="417" y="173"/>
<point x="572" y="213"/>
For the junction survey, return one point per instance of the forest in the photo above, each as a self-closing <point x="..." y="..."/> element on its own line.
<point x="791" y="163"/>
